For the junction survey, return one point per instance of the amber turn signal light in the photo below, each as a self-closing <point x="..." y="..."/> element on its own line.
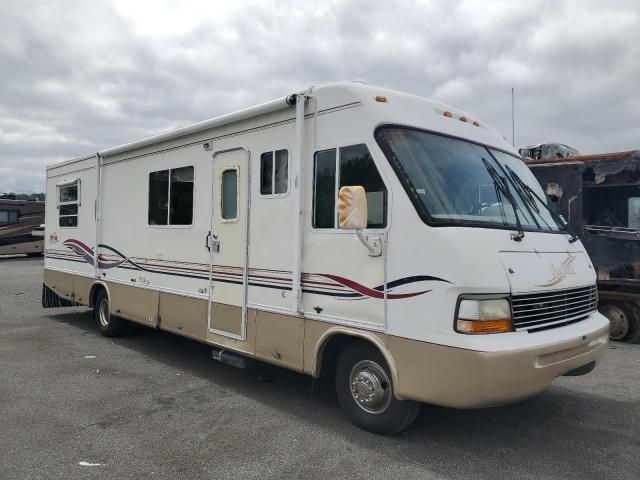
<point x="483" y="326"/>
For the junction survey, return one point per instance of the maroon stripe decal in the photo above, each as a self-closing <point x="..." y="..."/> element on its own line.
<point x="338" y="286"/>
<point x="370" y="292"/>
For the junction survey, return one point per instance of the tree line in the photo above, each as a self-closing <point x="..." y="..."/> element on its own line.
<point x="31" y="197"/>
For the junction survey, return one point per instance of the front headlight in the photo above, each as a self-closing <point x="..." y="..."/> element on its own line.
<point x="476" y="314"/>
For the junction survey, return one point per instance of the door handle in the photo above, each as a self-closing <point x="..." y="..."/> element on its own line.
<point x="211" y="242"/>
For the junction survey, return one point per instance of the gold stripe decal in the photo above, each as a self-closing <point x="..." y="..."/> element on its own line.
<point x="561" y="272"/>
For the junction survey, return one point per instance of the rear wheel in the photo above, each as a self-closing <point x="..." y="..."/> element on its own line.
<point x="624" y="320"/>
<point x="365" y="391"/>
<point x="109" y="325"/>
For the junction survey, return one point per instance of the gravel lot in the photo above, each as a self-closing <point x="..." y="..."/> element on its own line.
<point x="154" y="405"/>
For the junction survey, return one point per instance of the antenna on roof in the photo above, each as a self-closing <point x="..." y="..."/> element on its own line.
<point x="513" y="118"/>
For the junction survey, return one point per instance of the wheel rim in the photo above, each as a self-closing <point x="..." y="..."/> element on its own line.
<point x="619" y="322"/>
<point x="370" y="387"/>
<point x="103" y="312"/>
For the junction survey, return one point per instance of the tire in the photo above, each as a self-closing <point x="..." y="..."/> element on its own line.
<point x="109" y="325"/>
<point x="625" y="321"/>
<point x="362" y="363"/>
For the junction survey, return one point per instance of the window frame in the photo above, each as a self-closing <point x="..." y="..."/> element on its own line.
<point x="77" y="201"/>
<point x="273" y="174"/>
<point x="229" y="168"/>
<point x="193" y="211"/>
<point x="335" y="228"/>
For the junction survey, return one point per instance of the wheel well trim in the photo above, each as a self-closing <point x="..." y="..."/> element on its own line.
<point x="96" y="285"/>
<point x="371" y="337"/>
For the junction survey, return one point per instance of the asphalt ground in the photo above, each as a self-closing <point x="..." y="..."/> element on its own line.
<point x="74" y="404"/>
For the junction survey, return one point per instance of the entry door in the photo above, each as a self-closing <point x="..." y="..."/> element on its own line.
<point x="228" y="244"/>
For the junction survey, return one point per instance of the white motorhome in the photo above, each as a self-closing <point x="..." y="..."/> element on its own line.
<point x="394" y="241"/>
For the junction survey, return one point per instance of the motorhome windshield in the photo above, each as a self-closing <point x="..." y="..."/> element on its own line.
<point x="451" y="182"/>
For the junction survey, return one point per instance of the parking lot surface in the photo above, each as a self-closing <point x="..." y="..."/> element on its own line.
<point x="74" y="404"/>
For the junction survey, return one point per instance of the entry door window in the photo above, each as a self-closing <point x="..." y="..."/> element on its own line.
<point x="229" y="195"/>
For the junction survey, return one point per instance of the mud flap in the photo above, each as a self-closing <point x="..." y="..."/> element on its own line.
<point x="50" y="299"/>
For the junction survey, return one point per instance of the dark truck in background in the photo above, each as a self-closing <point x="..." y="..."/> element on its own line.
<point x="599" y="196"/>
<point x="21" y="227"/>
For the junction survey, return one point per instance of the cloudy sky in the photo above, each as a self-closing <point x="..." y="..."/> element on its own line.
<point x="78" y="76"/>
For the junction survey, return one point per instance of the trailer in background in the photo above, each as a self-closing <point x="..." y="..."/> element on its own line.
<point x="599" y="195"/>
<point x="21" y="227"/>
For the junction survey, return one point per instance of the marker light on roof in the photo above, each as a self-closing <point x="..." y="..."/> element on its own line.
<point x="381" y="99"/>
<point x="447" y="114"/>
<point x="476" y="123"/>
<point x="463" y="119"/>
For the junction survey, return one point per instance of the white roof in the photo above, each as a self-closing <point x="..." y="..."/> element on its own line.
<point x="401" y="108"/>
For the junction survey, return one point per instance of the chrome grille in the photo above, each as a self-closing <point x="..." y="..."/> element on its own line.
<point x="543" y="310"/>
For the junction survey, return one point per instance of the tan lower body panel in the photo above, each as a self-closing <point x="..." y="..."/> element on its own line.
<point x="133" y="303"/>
<point x="460" y="378"/>
<point x="82" y="289"/>
<point x="183" y="315"/>
<point x="421" y="371"/>
<point x="280" y="338"/>
<point x="61" y="283"/>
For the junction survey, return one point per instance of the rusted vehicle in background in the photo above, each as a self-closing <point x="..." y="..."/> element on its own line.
<point x="599" y="196"/>
<point x="21" y="227"/>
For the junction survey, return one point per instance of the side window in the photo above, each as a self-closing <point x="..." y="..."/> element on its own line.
<point x="324" y="189"/>
<point x="633" y="212"/>
<point x="181" y="196"/>
<point x="357" y="168"/>
<point x="68" y="202"/>
<point x="8" y="216"/>
<point x="229" y="195"/>
<point x="171" y="197"/>
<point x="274" y="172"/>
<point x="353" y="165"/>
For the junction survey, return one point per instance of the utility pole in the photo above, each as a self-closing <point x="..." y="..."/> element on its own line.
<point x="513" y="118"/>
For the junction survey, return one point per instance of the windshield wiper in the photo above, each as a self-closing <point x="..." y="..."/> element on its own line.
<point x="500" y="183"/>
<point x="527" y="199"/>
<point x="530" y="192"/>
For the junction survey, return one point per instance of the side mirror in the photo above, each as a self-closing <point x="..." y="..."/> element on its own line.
<point x="352" y="208"/>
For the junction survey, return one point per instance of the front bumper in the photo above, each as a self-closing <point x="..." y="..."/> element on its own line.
<point x="461" y="378"/>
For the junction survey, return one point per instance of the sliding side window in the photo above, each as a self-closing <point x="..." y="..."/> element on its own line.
<point x="347" y="166"/>
<point x="68" y="203"/>
<point x="171" y="197"/>
<point x="274" y="173"/>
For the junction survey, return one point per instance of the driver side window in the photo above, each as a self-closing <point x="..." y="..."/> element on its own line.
<point x="346" y="166"/>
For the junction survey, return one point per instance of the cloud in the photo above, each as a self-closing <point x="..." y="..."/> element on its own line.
<point x="79" y="76"/>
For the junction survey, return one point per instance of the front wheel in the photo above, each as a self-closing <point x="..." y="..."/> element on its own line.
<point x="109" y="325"/>
<point x="365" y="391"/>
<point x="624" y="319"/>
